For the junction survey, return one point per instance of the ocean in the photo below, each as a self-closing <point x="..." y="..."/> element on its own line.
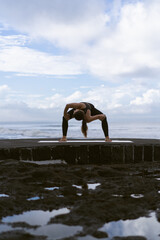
<point x="21" y="130"/>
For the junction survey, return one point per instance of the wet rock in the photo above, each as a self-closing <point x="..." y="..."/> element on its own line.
<point x="130" y="238"/>
<point x="100" y="234"/>
<point x="93" y="208"/>
<point x="19" y="235"/>
<point x="158" y="215"/>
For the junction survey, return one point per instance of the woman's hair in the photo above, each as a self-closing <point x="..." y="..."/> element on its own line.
<point x="84" y="128"/>
<point x="79" y="115"/>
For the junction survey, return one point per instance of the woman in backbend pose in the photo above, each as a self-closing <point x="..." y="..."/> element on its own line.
<point x="85" y="112"/>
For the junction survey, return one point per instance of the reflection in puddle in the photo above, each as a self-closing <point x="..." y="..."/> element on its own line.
<point x="143" y="226"/>
<point x="52" y="188"/>
<point x="35" y="217"/>
<point x="4" y="195"/>
<point x="93" y="185"/>
<point x="117" y="195"/>
<point x="34" y="198"/>
<point x="158" y="179"/>
<point x="77" y="186"/>
<point x="45" y="162"/>
<point x="56" y="231"/>
<point x="79" y="194"/>
<point x="5" y="228"/>
<point x="137" y="195"/>
<point x="60" y="196"/>
<point x="41" y="218"/>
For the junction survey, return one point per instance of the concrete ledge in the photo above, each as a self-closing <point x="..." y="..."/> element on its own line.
<point x="139" y="150"/>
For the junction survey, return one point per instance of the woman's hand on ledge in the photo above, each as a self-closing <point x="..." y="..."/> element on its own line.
<point x="107" y="139"/>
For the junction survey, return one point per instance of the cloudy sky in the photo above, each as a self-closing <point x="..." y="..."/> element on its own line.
<point x="54" y="52"/>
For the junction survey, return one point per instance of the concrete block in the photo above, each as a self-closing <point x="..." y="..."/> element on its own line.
<point x="26" y="154"/>
<point x="82" y="155"/>
<point x="148" y="153"/>
<point x="106" y="155"/>
<point x="138" y="154"/>
<point x="70" y="154"/>
<point x="117" y="154"/>
<point x="94" y="154"/>
<point x="129" y="154"/>
<point x="157" y="153"/>
<point x="57" y="152"/>
<point x="14" y="153"/>
<point x="4" y="153"/>
<point x="41" y="153"/>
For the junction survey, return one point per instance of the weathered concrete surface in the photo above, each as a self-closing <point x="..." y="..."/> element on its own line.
<point x="140" y="150"/>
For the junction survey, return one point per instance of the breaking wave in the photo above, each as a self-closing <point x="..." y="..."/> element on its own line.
<point x="54" y="130"/>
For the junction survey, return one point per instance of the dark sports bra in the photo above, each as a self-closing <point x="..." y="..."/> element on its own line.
<point x="88" y="106"/>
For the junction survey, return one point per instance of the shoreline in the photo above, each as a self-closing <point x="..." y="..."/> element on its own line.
<point x="121" y="192"/>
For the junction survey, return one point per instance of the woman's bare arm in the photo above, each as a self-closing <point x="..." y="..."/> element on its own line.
<point x="90" y="118"/>
<point x="71" y="105"/>
<point x="66" y="118"/>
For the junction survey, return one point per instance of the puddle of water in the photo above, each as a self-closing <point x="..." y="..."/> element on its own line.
<point x="93" y="185"/>
<point x="5" y="228"/>
<point x="35" y="217"/>
<point x="56" y="231"/>
<point x="45" y="162"/>
<point x="34" y="198"/>
<point x="137" y="195"/>
<point x="117" y="195"/>
<point x="41" y="218"/>
<point x="60" y="196"/>
<point x="52" y="188"/>
<point x="90" y="238"/>
<point x="148" y="227"/>
<point x="3" y="195"/>
<point x="79" y="194"/>
<point x="77" y="186"/>
<point x="158" y="179"/>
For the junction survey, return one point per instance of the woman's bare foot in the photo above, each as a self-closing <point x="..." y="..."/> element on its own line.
<point x="63" y="139"/>
<point x="107" y="139"/>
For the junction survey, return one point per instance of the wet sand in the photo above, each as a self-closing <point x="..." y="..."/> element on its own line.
<point x="126" y="191"/>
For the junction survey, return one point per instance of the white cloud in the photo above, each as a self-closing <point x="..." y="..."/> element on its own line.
<point x="25" y="60"/>
<point x="111" y="100"/>
<point x="76" y="96"/>
<point x="151" y="96"/>
<point x="131" y="46"/>
<point x="56" y="101"/>
<point x="115" y="44"/>
<point x="20" y="111"/>
<point x="117" y="41"/>
<point x="4" y="90"/>
<point x="13" y="40"/>
<point x="65" y="23"/>
<point x="115" y="102"/>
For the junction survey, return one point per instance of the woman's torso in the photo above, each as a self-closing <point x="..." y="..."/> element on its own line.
<point x="87" y="106"/>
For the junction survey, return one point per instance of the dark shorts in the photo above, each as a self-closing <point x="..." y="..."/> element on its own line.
<point x="94" y="111"/>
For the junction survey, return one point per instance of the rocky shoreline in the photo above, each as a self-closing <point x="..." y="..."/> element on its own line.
<point x="122" y="192"/>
